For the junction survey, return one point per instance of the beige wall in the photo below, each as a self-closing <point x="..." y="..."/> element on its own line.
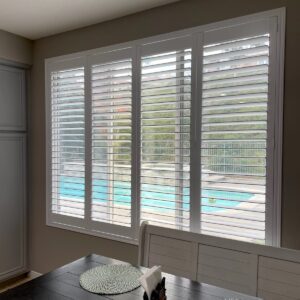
<point x="15" y="48"/>
<point x="50" y="247"/>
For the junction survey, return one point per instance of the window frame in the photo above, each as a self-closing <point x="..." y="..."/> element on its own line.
<point x="169" y="41"/>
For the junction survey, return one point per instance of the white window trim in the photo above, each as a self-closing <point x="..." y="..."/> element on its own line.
<point x="56" y="63"/>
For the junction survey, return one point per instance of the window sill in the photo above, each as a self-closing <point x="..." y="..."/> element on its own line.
<point x="94" y="233"/>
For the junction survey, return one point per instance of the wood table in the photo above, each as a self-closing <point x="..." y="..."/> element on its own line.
<point x="63" y="283"/>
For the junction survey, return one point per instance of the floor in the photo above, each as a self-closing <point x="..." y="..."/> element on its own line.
<point x="18" y="281"/>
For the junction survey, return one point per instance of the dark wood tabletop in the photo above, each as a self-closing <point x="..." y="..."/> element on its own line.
<point x="63" y="283"/>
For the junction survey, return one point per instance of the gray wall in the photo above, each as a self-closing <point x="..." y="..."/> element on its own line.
<point x="50" y="247"/>
<point x="15" y="48"/>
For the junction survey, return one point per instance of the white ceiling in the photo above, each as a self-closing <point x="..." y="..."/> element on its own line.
<point x="34" y="19"/>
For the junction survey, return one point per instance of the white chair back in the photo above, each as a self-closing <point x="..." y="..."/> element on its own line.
<point x="264" y="271"/>
<point x="142" y="243"/>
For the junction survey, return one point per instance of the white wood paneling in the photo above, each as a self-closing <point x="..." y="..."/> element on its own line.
<point x="227" y="268"/>
<point x="175" y="256"/>
<point x="264" y="271"/>
<point x="278" y="279"/>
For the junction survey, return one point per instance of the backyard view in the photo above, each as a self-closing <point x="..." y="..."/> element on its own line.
<point x="233" y="141"/>
<point x="234" y="136"/>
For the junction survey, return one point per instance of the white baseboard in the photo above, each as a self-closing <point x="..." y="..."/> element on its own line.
<point x="34" y="274"/>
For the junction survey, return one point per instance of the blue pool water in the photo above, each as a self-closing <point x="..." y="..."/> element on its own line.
<point x="158" y="196"/>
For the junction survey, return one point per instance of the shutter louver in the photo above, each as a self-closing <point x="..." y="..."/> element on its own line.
<point x="234" y="138"/>
<point x="111" y="142"/>
<point x="68" y="154"/>
<point x="165" y="139"/>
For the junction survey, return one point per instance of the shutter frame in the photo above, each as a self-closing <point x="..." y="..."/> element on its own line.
<point x="276" y="23"/>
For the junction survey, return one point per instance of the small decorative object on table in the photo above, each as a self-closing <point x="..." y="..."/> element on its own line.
<point x="153" y="284"/>
<point x="159" y="293"/>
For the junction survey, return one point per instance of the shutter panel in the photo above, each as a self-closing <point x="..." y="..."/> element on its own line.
<point x="68" y="154"/>
<point x="165" y="138"/>
<point x="111" y="142"/>
<point x="234" y="138"/>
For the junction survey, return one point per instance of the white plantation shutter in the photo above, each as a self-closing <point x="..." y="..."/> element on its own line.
<point x="182" y="130"/>
<point x="111" y="88"/>
<point x="235" y="101"/>
<point x="67" y="142"/>
<point x="165" y="138"/>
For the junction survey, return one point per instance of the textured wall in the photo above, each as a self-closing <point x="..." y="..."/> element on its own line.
<point x="50" y="247"/>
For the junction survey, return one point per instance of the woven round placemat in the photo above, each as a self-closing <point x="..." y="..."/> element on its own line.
<point x="111" y="279"/>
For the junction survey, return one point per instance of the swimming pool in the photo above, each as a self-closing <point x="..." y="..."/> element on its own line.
<point x="161" y="197"/>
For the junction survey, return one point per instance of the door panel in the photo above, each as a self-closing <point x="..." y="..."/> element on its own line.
<point x="12" y="203"/>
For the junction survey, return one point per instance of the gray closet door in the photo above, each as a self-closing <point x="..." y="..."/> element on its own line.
<point x="12" y="204"/>
<point x="12" y="98"/>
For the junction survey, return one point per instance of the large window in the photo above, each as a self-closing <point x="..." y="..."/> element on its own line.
<point x="182" y="130"/>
